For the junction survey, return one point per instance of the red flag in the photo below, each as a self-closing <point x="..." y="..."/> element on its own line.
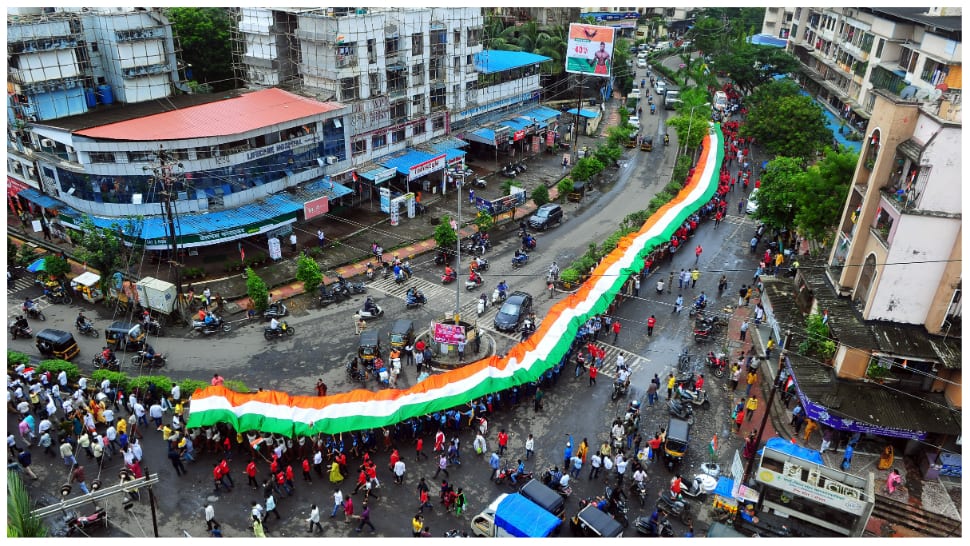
<point x="242" y="254"/>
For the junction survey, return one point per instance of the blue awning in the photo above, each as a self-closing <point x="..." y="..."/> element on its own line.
<point x="767" y="40"/>
<point x="331" y="189"/>
<point x="41" y="199"/>
<point x="453" y="153"/>
<point x="406" y="160"/>
<point x="495" y="60"/>
<point x="585" y="113"/>
<point x="542" y="113"/>
<point x="483" y="135"/>
<point x="516" y="124"/>
<point x="795" y="450"/>
<point x="447" y="143"/>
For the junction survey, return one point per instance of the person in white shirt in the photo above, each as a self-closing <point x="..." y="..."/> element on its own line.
<point x="399" y="469"/>
<point x="338" y="501"/>
<point x="176" y="393"/>
<point x="595" y="462"/>
<point x="155" y="411"/>
<point x="62" y="379"/>
<point x="530" y="446"/>
<point x="314" y="519"/>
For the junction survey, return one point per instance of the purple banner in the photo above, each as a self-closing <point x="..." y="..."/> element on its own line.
<point x="820" y="414"/>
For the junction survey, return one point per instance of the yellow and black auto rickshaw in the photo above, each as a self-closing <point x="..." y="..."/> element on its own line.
<point x="632" y="141"/>
<point x="402" y="333"/>
<point x="676" y="439"/>
<point x="57" y="344"/>
<point x="368" y="347"/>
<point x="646" y="144"/>
<point x="579" y="189"/>
<point x="124" y="336"/>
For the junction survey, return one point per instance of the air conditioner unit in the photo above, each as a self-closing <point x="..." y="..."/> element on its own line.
<point x="331" y="159"/>
<point x="46" y="143"/>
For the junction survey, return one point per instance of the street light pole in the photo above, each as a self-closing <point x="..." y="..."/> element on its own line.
<point x="461" y="185"/>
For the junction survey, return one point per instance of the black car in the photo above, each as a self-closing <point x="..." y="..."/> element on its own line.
<point x="546" y="216"/>
<point x="515" y="308"/>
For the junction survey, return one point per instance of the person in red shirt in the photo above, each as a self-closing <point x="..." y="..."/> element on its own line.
<point x="274" y="465"/>
<point x="697" y="253"/>
<point x="419" y="449"/>
<point x="224" y="466"/>
<point x="699" y="384"/>
<point x="290" y="476"/>
<point x="217" y="477"/>
<point x="306" y="471"/>
<point x="617" y="327"/>
<point x="217" y="380"/>
<point x="439" y="441"/>
<point x="281" y="484"/>
<point x="251" y="473"/>
<point x="395" y="457"/>
<point x="651" y="322"/>
<point x="361" y="480"/>
<point x="593" y="370"/>
<point x="503" y="441"/>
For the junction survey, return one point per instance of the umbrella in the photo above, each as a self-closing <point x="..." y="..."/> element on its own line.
<point x="38" y="265"/>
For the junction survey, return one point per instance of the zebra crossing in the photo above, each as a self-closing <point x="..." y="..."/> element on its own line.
<point x="633" y="362"/>
<point x="19" y="284"/>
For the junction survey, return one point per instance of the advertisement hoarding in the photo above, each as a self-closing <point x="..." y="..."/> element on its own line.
<point x="590" y="50"/>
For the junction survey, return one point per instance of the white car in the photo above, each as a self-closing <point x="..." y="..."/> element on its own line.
<point x="635" y="94"/>
<point x="641" y="63"/>
<point x="635" y="121"/>
<point x="752" y="202"/>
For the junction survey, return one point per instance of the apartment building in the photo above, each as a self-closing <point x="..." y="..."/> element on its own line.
<point x="847" y="54"/>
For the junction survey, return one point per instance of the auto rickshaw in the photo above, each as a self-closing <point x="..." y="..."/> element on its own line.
<point x="125" y="336"/>
<point x="579" y="189"/>
<point x="86" y="284"/>
<point x="57" y="344"/>
<point x="646" y="144"/>
<point x="369" y="347"/>
<point x="402" y="333"/>
<point x="632" y="141"/>
<point x="676" y="440"/>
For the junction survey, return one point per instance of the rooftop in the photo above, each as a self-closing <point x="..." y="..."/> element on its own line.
<point x="951" y="23"/>
<point x="497" y="60"/>
<point x="222" y="118"/>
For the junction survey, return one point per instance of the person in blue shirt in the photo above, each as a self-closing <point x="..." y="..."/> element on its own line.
<point x="520" y="470"/>
<point x="493" y="463"/>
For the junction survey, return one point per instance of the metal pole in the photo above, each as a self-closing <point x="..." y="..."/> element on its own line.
<point x="461" y="185"/>
<point x="576" y="118"/>
<point x="151" y="502"/>
<point x="771" y="398"/>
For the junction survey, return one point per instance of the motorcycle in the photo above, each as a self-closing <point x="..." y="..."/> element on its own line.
<point x="666" y="140"/>
<point x="152" y="327"/>
<point x="705" y="329"/>
<point x="328" y="296"/>
<point x="21" y="330"/>
<point x="34" y="312"/>
<point x="528" y="328"/>
<point x="646" y="527"/>
<point x="505" y="473"/>
<point x="697" y="398"/>
<point x="375" y="312"/>
<point x="482" y="265"/>
<point x="87" y="328"/>
<point x="521" y="166"/>
<point x="675" y="507"/>
<point x="482" y="304"/>
<point x="509" y="172"/>
<point x="100" y="364"/>
<point x="697" y="307"/>
<point x="282" y="331"/>
<point x="479" y="183"/>
<point x="157" y="361"/>
<point x="83" y="524"/>
<point x="620" y="389"/>
<point x="653" y="108"/>
<point x="717" y="363"/>
<point x="681" y="410"/>
<point x="357" y="287"/>
<point x="695" y="490"/>
<point x="277" y="309"/>
<point x="414" y="299"/>
<point x="498" y="296"/>
<point x="57" y="294"/>
<point x="443" y="257"/>
<point x="640" y="488"/>
<point x="528" y="243"/>
<point x="474" y="281"/>
<point x="217" y="324"/>
<point x="520" y="260"/>
<point x="448" y="278"/>
<point x="617" y="507"/>
<point x="354" y="373"/>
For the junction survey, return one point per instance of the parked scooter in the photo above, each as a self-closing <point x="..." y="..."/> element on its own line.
<point x="717" y="363"/>
<point x="330" y="295"/>
<point x="681" y="410"/>
<point x="479" y="183"/>
<point x="509" y="171"/>
<point x="697" y="398"/>
<point x="85" y="524"/>
<point x="277" y="309"/>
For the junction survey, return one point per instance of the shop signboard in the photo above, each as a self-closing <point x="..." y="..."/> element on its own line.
<point x="589" y="50"/>
<point x="449" y="334"/>
<point x="820" y="495"/>
<point x="423" y="169"/>
<point x="316" y="207"/>
<point x="385" y="200"/>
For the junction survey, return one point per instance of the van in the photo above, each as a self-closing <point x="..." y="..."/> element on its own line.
<point x="593" y="522"/>
<point x="676" y="440"/>
<point x="752" y="202"/>
<point x="720" y="100"/>
<point x="642" y="55"/>
<point x="546" y="498"/>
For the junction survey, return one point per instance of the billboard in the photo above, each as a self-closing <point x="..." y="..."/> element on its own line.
<point x="590" y="50"/>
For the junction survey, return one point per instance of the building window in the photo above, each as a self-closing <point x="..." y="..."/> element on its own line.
<point x="391" y="46"/>
<point x="457" y="38"/>
<point x="375" y="84"/>
<point x="417" y="105"/>
<point x="398" y="110"/>
<point x="879" y="48"/>
<point x="418" y="128"/>
<point x="908" y="59"/>
<point x="417" y="43"/>
<point x="359" y="147"/>
<point x="438" y="123"/>
<point x="349" y="89"/>
<point x="438" y="98"/>
<point x="417" y="74"/>
<point x="468" y="60"/>
<point x="378" y="141"/>
<point x="371" y="51"/>
<point x="347" y="55"/>
<point x="474" y="37"/>
<point x="398" y="136"/>
<point x="456" y="63"/>
<point x="934" y="72"/>
<point x="102" y="157"/>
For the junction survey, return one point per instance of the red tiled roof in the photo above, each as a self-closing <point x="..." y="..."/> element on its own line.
<point x="226" y="117"/>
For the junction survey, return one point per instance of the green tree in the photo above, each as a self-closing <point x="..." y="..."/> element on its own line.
<point x="56" y="267"/>
<point x="203" y="34"/>
<point x="484" y="221"/>
<point x="822" y="193"/>
<point x="540" y="195"/>
<point x="26" y="254"/>
<point x="308" y="272"/>
<point x="12" y="252"/>
<point x="791" y="126"/>
<point x="104" y="249"/>
<point x="564" y="186"/>
<point x="444" y="235"/>
<point x="257" y="291"/>
<point x="691" y="127"/>
<point x="586" y="168"/>
<point x="750" y="65"/>
<point x="708" y="34"/>
<point x="20" y="522"/>
<point x="779" y="193"/>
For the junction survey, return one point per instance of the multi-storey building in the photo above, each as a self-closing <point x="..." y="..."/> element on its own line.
<point x="848" y="53"/>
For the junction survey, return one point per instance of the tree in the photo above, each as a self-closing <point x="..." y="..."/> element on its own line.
<point x="779" y="193"/>
<point x="565" y="186"/>
<point x="257" y="291"/>
<point x="56" y="267"/>
<point x="823" y="187"/>
<point x="203" y="34"/>
<point x="749" y="65"/>
<point x="540" y="195"/>
<point x="586" y="168"/>
<point x="20" y="522"/>
<point x="444" y="235"/>
<point x="484" y="221"/>
<point x="308" y="272"/>
<point x="788" y="125"/>
<point x="104" y="249"/>
<point x="708" y="34"/>
<point x="691" y="127"/>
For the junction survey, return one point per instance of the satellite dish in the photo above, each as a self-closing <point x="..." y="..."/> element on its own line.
<point x="908" y="92"/>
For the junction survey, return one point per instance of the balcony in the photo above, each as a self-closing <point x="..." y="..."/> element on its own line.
<point x="346" y="61"/>
<point x="137" y="34"/>
<point x="41" y="44"/>
<point x="138" y="71"/>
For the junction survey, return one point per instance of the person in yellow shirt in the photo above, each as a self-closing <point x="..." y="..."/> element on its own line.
<point x="811" y="427"/>
<point x="750" y="407"/>
<point x="417" y="524"/>
<point x="122" y="426"/>
<point x="671" y="381"/>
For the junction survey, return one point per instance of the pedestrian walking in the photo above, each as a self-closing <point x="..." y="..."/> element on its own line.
<point x="461" y="350"/>
<point x="314" y="519"/>
<point x="530" y="446"/>
<point x="652" y="393"/>
<point x="364" y="518"/>
<point x="537" y="400"/>
<point x="679" y="303"/>
<point x="636" y="286"/>
<point x="595" y="463"/>
<point x="616" y="330"/>
<point x="293" y="241"/>
<point x="651" y="322"/>
<point x="593" y="370"/>
<point x="742" y="292"/>
<point x="210" y="517"/>
<point x="176" y="459"/>
<point x="697" y="253"/>
<point x="442" y="466"/>
<point x="77" y="475"/>
<point x="25" y="461"/>
<point x="321" y="238"/>
<point x="750" y="407"/>
<point x="694" y="275"/>
<point x="847" y="457"/>
<point x="751" y="379"/>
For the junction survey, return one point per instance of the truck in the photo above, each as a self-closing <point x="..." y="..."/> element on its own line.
<point x="671" y="99"/>
<point x="156" y="294"/>
<point x="514" y="515"/>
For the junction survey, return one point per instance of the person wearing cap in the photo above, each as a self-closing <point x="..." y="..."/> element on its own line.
<point x="567" y="453"/>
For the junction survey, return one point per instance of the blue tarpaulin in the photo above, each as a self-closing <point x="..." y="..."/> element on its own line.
<point x="795" y="450"/>
<point x="495" y="60"/>
<point x="767" y="40"/>
<point x="41" y="199"/>
<point x="408" y="159"/>
<point x="585" y="113"/>
<point x="520" y="517"/>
